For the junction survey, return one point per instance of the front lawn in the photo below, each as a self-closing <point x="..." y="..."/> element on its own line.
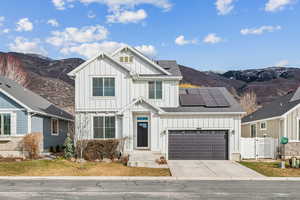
<point x="272" y="169"/>
<point x="67" y="168"/>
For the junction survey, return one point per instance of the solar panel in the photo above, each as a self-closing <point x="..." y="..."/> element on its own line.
<point x="193" y="91"/>
<point x="208" y="99"/>
<point x="182" y="91"/>
<point x="219" y="98"/>
<point x="191" y="100"/>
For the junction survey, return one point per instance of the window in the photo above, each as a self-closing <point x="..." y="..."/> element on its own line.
<point x="253" y="130"/>
<point x="126" y="59"/>
<point x="104" y="127"/>
<point x="263" y="126"/>
<point x="54" y="127"/>
<point x="103" y="87"/>
<point x="155" y="89"/>
<point x="5" y="122"/>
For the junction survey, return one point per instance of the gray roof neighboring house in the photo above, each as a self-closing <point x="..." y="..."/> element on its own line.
<point x="171" y="66"/>
<point x="32" y="101"/>
<point x="276" y="108"/>
<point x="232" y="107"/>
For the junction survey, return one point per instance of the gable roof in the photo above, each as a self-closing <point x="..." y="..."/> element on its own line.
<point x="101" y="55"/>
<point x="145" y="58"/>
<point x="232" y="107"/>
<point x="140" y="99"/>
<point x="31" y="101"/>
<point x="276" y="108"/>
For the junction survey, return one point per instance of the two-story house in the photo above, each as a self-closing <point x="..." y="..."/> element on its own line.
<point x="126" y="94"/>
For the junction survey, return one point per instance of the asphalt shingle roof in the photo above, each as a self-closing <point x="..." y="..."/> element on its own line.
<point x="274" y="109"/>
<point x="31" y="99"/>
<point x="171" y="66"/>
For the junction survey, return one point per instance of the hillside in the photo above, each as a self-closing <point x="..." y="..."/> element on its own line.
<point x="48" y="78"/>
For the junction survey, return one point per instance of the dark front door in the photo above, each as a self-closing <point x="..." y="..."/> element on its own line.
<point x="198" y="145"/>
<point x="142" y="134"/>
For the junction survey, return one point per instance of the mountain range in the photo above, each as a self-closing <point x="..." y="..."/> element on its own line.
<point x="48" y="78"/>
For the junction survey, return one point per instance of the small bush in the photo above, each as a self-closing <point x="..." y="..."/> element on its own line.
<point x="99" y="149"/>
<point x="32" y="144"/>
<point x="57" y="149"/>
<point x="68" y="148"/>
<point x="51" y="149"/>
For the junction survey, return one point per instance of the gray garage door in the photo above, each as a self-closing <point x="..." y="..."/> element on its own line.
<point x="198" y="145"/>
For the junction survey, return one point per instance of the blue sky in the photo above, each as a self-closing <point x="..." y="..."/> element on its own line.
<point x="204" y="34"/>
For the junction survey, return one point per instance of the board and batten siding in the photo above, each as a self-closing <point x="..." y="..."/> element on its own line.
<point x="273" y="129"/>
<point x="292" y="120"/>
<point x="138" y="65"/>
<point x="83" y="87"/>
<point x="170" y="93"/>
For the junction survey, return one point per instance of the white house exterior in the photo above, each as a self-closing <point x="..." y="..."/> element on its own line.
<point x="126" y="94"/>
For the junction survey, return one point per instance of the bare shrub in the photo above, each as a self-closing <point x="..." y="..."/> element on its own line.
<point x="249" y="102"/>
<point x="99" y="149"/>
<point x="32" y="144"/>
<point x="81" y="134"/>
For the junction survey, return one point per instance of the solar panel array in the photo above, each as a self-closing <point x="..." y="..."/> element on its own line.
<point x="211" y="97"/>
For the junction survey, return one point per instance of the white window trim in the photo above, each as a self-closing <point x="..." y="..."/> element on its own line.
<point x="255" y="130"/>
<point x="129" y="57"/>
<point x="55" y="134"/>
<point x="12" y="130"/>
<point x="263" y="129"/>
<point x="102" y="97"/>
<point x="162" y="90"/>
<point x="103" y="115"/>
<point x="298" y="135"/>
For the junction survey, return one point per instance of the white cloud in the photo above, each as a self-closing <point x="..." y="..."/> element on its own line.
<point x="147" y="50"/>
<point x="260" y="30"/>
<point x="24" y="24"/>
<point x="277" y="5"/>
<point x="91" y="15"/>
<point x="89" y="50"/>
<point x="23" y="45"/>
<point x="180" y="40"/>
<point x="224" y="7"/>
<point x="125" y="4"/>
<point x="73" y="35"/>
<point x="127" y="16"/>
<point x="212" y="38"/>
<point x="53" y="22"/>
<point x="7" y="30"/>
<point x="2" y="19"/>
<point x="282" y="63"/>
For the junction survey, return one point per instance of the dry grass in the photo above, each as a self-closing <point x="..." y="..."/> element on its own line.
<point x="272" y="169"/>
<point x="188" y="85"/>
<point x="67" y="168"/>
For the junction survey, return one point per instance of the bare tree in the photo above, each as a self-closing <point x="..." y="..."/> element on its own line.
<point x="249" y="103"/>
<point x="81" y="134"/>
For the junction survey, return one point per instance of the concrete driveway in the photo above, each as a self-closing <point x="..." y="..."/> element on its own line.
<point x="210" y="169"/>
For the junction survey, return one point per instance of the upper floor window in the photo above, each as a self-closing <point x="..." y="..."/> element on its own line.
<point x="155" y="89"/>
<point x="54" y="126"/>
<point x="103" y="87"/>
<point x="5" y="122"/>
<point x="104" y="127"/>
<point x="263" y="126"/>
<point x="126" y="59"/>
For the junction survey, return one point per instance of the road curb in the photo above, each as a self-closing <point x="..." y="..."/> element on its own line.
<point x="140" y="178"/>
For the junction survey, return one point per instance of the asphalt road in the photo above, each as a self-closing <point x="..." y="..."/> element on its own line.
<point x="115" y="190"/>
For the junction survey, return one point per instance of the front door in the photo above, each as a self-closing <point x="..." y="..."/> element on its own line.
<point x="142" y="134"/>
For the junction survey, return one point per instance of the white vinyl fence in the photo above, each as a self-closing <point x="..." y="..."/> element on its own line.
<point x="255" y="148"/>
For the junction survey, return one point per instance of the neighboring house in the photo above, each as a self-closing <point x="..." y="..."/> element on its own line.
<point x="276" y="119"/>
<point x="23" y="112"/>
<point x="126" y="94"/>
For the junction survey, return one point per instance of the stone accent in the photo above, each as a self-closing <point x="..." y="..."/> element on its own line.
<point x="235" y="157"/>
<point x="292" y="149"/>
<point x="11" y="143"/>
